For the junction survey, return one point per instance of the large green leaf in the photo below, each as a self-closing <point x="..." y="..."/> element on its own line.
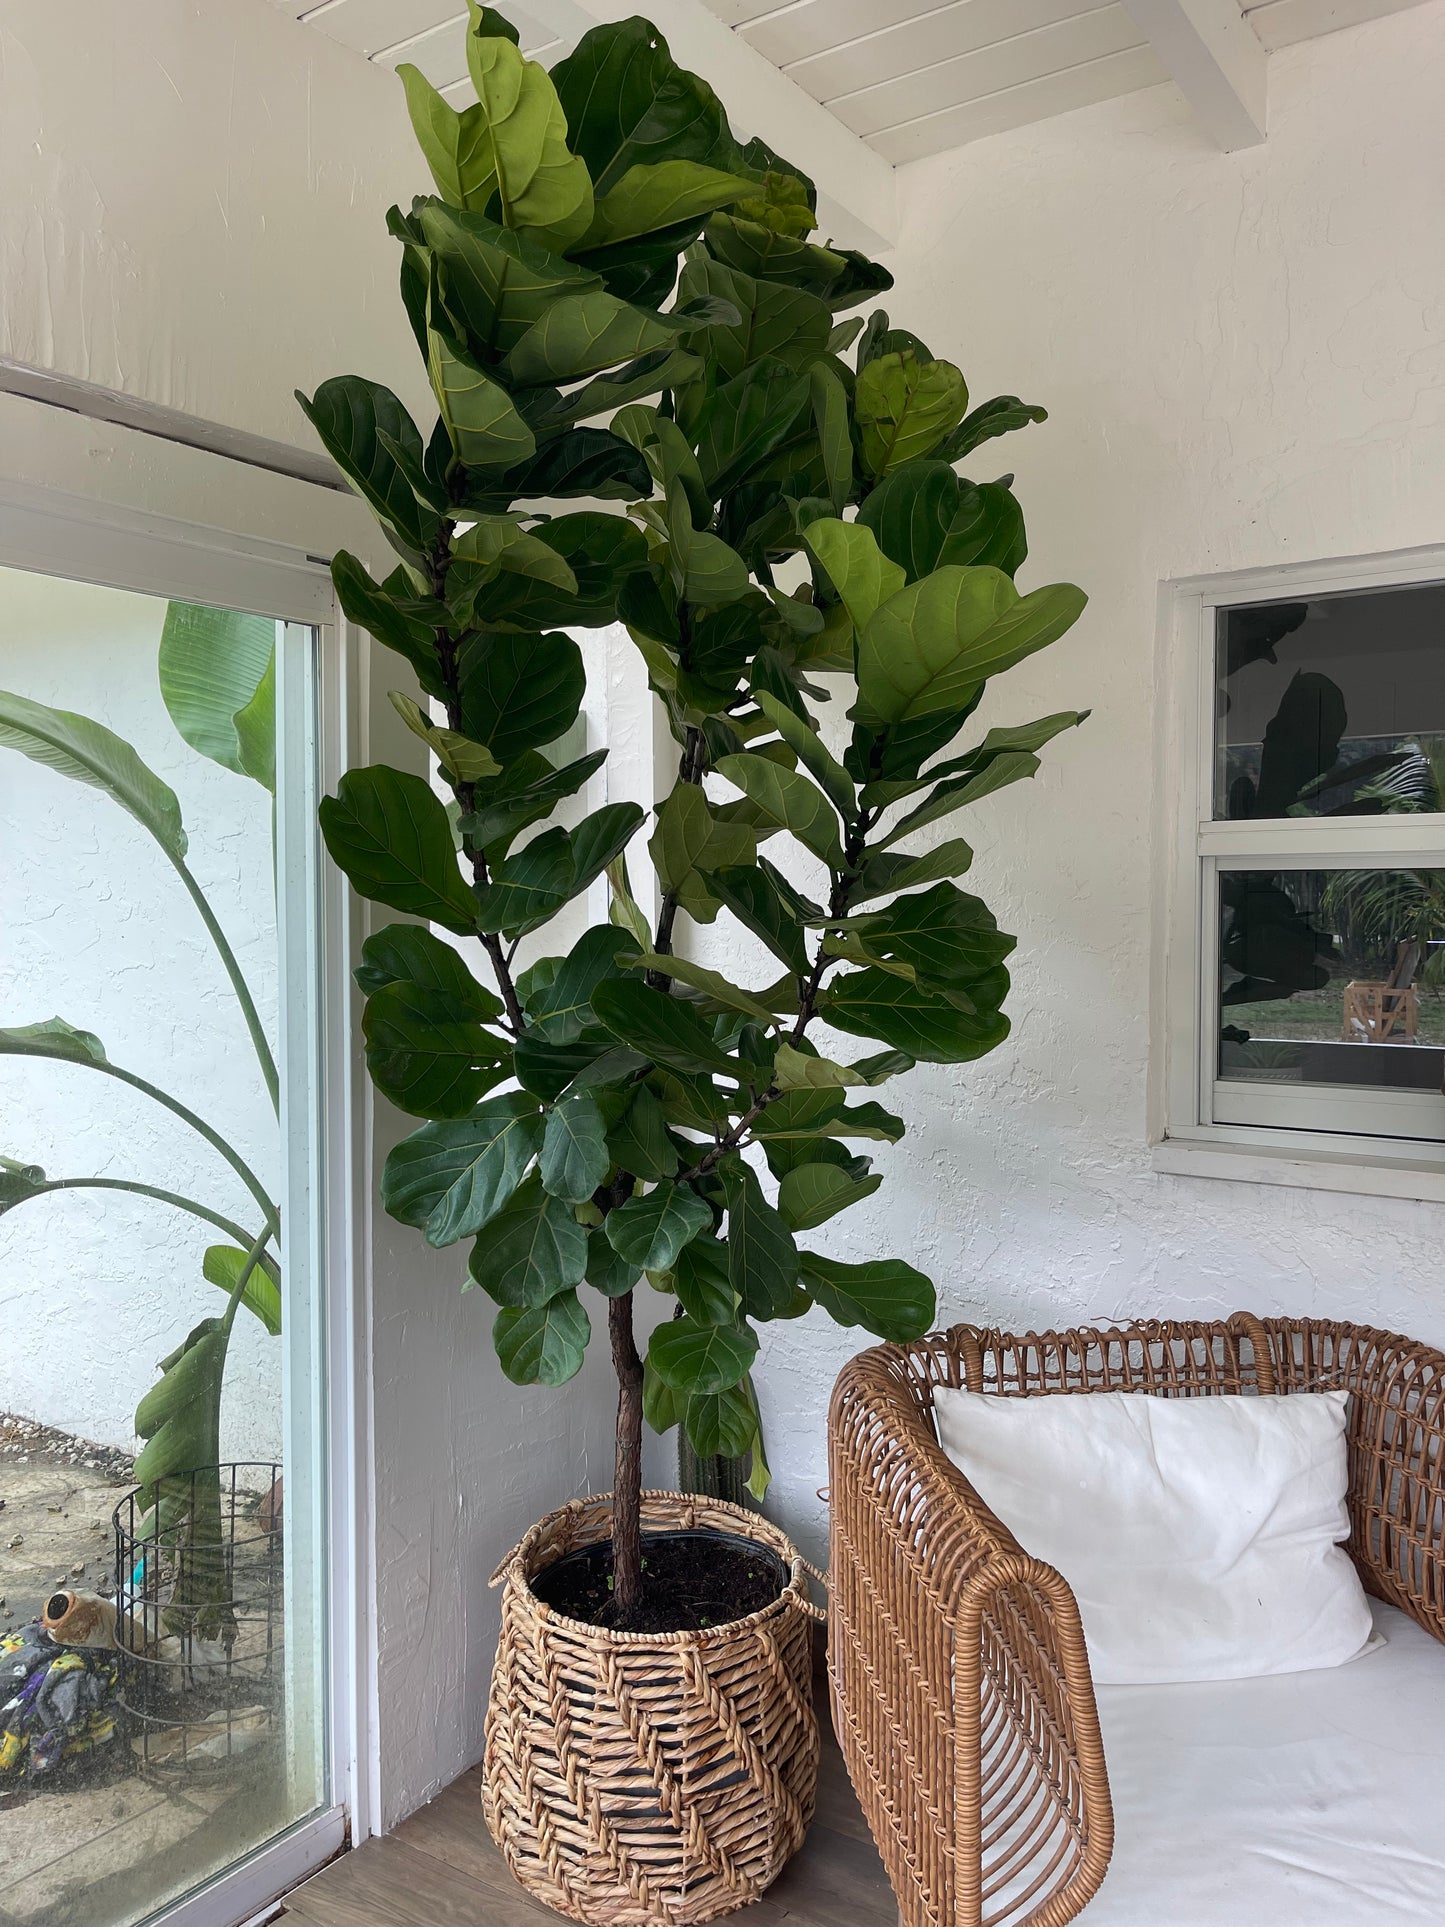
<point x="755" y="900"/>
<point x="690" y="838"/>
<point x="562" y="1007"/>
<point x="1012" y="766"/>
<point x="225" y="1265"/>
<point x="179" y="1417"/>
<point x="704" y="568"/>
<point x="928" y="647"/>
<point x="650" y="1231"/>
<point x="606" y="1272"/>
<point x="389" y="832"/>
<point x="409" y="953"/>
<point x="528" y="790"/>
<point x="905" y="407"/>
<point x="891" y="870"/>
<point x="543" y="1344"/>
<point x="700" y="1279"/>
<point x="786" y="323"/>
<point x="789" y="800"/>
<point x="495" y="283"/>
<point x="885" y="1296"/>
<point x="375" y="608"/>
<point x="87" y="752"/>
<point x="637" y="1135"/>
<point x="462" y="759"/>
<point x="449" y="1178"/>
<point x="602" y="551"/>
<point x="582" y="461"/>
<point x="661" y="194"/>
<point x="457" y="146"/>
<point x="762" y="1258"/>
<point x="427" y="1052"/>
<point x="579" y="334"/>
<point x="532" y="1249"/>
<point x="747" y="418"/>
<point x="256" y="731"/>
<point x="663" y="368"/>
<point x="944" y="935"/>
<point x="371" y="437"/>
<point x="811" y="1193"/>
<point x="663" y="1029"/>
<point x="701" y="1358"/>
<point x="808" y="746"/>
<point x="211" y="664"/>
<point x="997" y="417"/>
<point x="482" y="419"/>
<point x="628" y="102"/>
<point x="862" y="574"/>
<point x="520" y="691"/>
<point x="722" y="1423"/>
<point x="575" y="1159"/>
<point x="910" y="513"/>
<point x="529" y="886"/>
<point x="716" y="988"/>
<point x="912" y="1018"/>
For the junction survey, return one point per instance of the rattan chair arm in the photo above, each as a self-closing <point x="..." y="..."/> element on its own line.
<point x="961" y="1686"/>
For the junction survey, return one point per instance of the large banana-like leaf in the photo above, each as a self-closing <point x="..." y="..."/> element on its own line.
<point x="212" y="665"/>
<point x="88" y="752"/>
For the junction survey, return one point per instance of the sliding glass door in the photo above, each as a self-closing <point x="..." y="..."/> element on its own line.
<point x="165" y="1555"/>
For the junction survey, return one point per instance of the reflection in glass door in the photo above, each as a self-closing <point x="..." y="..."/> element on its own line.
<point x="162" y="1542"/>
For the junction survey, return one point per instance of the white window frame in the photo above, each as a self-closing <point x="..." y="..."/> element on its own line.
<point x="55" y="520"/>
<point x="1273" y="1135"/>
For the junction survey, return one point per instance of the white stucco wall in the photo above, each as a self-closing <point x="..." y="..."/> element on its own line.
<point x="99" y="1285"/>
<point x="1244" y="360"/>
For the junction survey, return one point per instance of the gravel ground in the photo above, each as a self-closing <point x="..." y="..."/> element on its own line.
<point x="57" y="1497"/>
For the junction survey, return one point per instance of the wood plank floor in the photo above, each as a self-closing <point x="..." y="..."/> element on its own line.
<point x="440" y="1869"/>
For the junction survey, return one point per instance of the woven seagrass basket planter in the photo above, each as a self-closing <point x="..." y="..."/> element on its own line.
<point x="649" y="1779"/>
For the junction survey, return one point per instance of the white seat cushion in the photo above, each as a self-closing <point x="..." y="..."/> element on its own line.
<point x="1302" y="1800"/>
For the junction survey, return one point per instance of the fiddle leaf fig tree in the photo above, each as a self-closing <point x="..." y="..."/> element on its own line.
<point x="796" y="535"/>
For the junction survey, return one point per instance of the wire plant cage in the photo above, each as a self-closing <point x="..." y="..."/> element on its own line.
<point x="200" y="1619"/>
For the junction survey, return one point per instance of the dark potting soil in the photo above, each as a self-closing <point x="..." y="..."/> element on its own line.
<point x="690" y="1580"/>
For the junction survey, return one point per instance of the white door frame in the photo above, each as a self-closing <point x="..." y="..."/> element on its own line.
<point x="112" y="522"/>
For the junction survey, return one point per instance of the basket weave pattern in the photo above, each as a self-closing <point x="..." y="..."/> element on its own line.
<point x="961" y="1689"/>
<point x="649" y="1779"/>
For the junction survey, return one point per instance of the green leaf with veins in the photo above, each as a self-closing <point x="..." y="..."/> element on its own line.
<point x="689" y="839"/>
<point x="926" y="648"/>
<point x="531" y="1250"/>
<point x="462" y="759"/>
<point x="581" y="334"/>
<point x="637" y="1136"/>
<point x="663" y="1029"/>
<point x="700" y="1279"/>
<point x="377" y="608"/>
<point x="543" y="1344"/>
<point x="762" y="1258"/>
<point x="715" y="987"/>
<point x="1012" y="766"/>
<point x="795" y="1070"/>
<point x="885" y="872"/>
<point x="450" y="1177"/>
<point x="562" y="1008"/>
<point x="369" y="435"/>
<point x="810" y="1194"/>
<point x="701" y="1358"/>
<point x="410" y="953"/>
<point x="849" y="555"/>
<point x="944" y="935"/>
<point x="755" y="900"/>
<point x="575" y="1158"/>
<point x="528" y="790"/>
<point x="389" y="832"/>
<point x="905" y="407"/>
<point x="657" y="195"/>
<point x="919" y="1021"/>
<point x="519" y="692"/>
<point x="662" y="1407"/>
<point x="52" y="1038"/>
<point x="485" y="428"/>
<point x="211" y="664"/>
<point x="530" y="886"/>
<point x="497" y="283"/>
<point x="997" y="417"/>
<point x="427" y="1052"/>
<point x="885" y="1296"/>
<point x="650" y="1231"/>
<point x="223" y="1266"/>
<point x="87" y="752"/>
<point x="790" y="801"/>
<point x="812" y="752"/>
<point x="606" y="1272"/>
<point x="721" y="1423"/>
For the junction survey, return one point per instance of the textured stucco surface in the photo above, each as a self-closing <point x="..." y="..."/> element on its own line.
<point x="1244" y="359"/>
<point x="97" y="1285"/>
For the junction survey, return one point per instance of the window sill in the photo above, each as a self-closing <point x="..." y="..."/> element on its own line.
<point x="1363" y="1173"/>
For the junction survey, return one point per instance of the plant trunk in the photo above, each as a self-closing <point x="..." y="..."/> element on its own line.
<point x="627" y="1483"/>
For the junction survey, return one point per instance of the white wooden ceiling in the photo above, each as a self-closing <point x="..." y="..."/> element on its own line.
<point x="907" y="77"/>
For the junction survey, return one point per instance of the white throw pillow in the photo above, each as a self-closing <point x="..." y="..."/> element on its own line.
<point x="1200" y="1535"/>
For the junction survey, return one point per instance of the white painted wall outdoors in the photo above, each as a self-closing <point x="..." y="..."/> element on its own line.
<point x="99" y="1285"/>
<point x="1244" y="357"/>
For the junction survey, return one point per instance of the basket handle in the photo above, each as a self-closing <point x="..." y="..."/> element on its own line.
<point x="820" y="1613"/>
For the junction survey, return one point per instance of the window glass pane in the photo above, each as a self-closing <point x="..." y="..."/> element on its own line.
<point x="1331" y="707"/>
<point x="157" y="1116"/>
<point x="1333" y="977"/>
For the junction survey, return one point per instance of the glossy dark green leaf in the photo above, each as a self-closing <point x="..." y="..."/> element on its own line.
<point x="721" y="1423"/>
<point x="427" y="1052"/>
<point x="912" y="1018"/>
<point x="813" y="1192"/>
<point x="885" y="1296"/>
<point x="547" y="1069"/>
<point x="664" y="1029"/>
<point x="648" y="375"/>
<point x="527" y="790"/>
<point x="945" y="935"/>
<point x="656" y="195"/>
<point x="575" y="1159"/>
<point x="892" y="870"/>
<point x="755" y="901"/>
<point x="409" y="953"/>
<point x="606" y="1272"/>
<point x="486" y="429"/>
<point x="700" y="1279"/>
<point x="520" y="691"/>
<point x="747" y="418"/>
<point x="690" y="838"/>
<point x="530" y="886"/>
<point x="599" y="839"/>
<point x="806" y="743"/>
<point x="351" y="415"/>
<point x="637" y="1137"/>
<point x="601" y="550"/>
<point x="374" y="607"/>
<point x="701" y="1358"/>
<point x="762" y="1258"/>
<point x="800" y="1113"/>
<point x="997" y="417"/>
<point x="210" y="665"/>
<point x="787" y="324"/>
<point x="543" y="1344"/>
<point x="532" y="1249"/>
<point x="987" y="530"/>
<point x="580" y="334"/>
<point x="650" y="1231"/>
<point x="910" y="513"/>
<point x="496" y="282"/>
<point x="1011" y="766"/>
<point x="450" y="1177"/>
<point x="562" y="1008"/>
<point x="389" y="832"/>
<point x="628" y="102"/>
<point x="789" y="800"/>
<point x="662" y="1407"/>
<point x="582" y="461"/>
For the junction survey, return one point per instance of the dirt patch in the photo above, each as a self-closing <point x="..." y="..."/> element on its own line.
<point x="57" y="1497"/>
<point x="690" y="1581"/>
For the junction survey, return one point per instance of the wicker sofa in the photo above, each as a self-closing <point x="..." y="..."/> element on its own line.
<point x="960" y="1678"/>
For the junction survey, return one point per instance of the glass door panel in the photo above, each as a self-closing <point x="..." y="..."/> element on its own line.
<point x="163" y="1551"/>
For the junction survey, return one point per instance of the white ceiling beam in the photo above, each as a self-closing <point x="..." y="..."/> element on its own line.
<point x="1216" y="60"/>
<point x="857" y="188"/>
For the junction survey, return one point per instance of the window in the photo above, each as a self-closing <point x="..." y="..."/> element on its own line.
<point x="1302" y="949"/>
